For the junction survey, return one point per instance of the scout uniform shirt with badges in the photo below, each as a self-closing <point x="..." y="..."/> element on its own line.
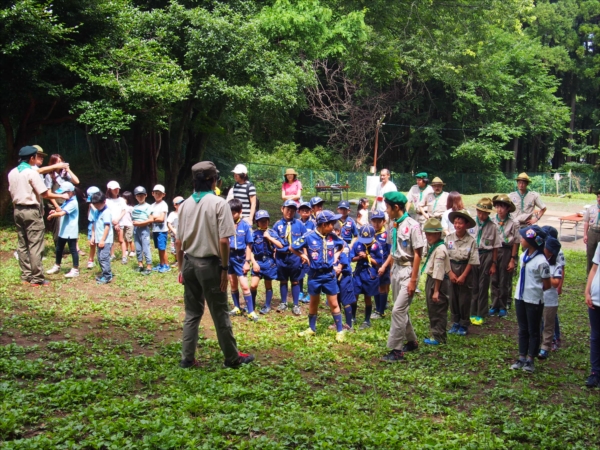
<point x="437" y="265"/>
<point x="525" y="204"/>
<point x="462" y="250"/>
<point x="345" y="260"/>
<point x="416" y="195"/>
<point x="435" y="204"/>
<point x="25" y="185"/>
<point x="242" y="236"/>
<point x="349" y="229"/>
<point x="551" y="295"/>
<point x="508" y="229"/>
<point x="262" y="248"/>
<point x="592" y="216"/>
<point x="486" y="236"/>
<point x="381" y="248"/>
<point x="533" y="269"/>
<point x="288" y="232"/>
<point x="408" y="239"/>
<point x="320" y="249"/>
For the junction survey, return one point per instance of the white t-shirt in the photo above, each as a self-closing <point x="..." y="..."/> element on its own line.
<point x="362" y="218"/>
<point x="536" y="270"/>
<point x="595" y="287"/>
<point x="551" y="295"/>
<point x="381" y="190"/>
<point x="156" y="209"/>
<point x="126" y="220"/>
<point x="116" y="207"/>
<point x="447" y="226"/>
<point x="173" y="219"/>
<point x="415" y="195"/>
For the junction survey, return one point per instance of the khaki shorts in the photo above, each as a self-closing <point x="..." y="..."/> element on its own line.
<point x="128" y="234"/>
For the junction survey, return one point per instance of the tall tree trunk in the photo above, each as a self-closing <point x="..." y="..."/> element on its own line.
<point x="513" y="162"/>
<point x="572" y="124"/>
<point x="175" y="157"/>
<point x="144" y="153"/>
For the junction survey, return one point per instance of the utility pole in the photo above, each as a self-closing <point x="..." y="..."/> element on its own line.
<point x="377" y="128"/>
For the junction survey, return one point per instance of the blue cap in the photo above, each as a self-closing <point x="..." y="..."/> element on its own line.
<point x="377" y="215"/>
<point x="327" y="216"/>
<point x="552" y="245"/>
<point x="290" y="204"/>
<point x="261" y="214"/>
<point x="315" y="201"/>
<point x="139" y="190"/>
<point x="534" y="235"/>
<point x="344" y="204"/>
<point x="550" y="231"/>
<point x="26" y="151"/>
<point x="366" y="234"/>
<point x="91" y="191"/>
<point x="304" y="205"/>
<point x="65" y="187"/>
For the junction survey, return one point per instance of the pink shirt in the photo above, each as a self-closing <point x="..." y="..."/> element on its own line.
<point x="292" y="188"/>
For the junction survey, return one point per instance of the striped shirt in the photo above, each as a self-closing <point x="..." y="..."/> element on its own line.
<point x="243" y="192"/>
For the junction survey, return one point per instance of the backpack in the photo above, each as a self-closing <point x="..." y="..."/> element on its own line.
<point x="248" y="184"/>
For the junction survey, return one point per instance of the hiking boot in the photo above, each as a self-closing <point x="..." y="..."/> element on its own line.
<point x="253" y="316"/>
<point x="185" y="364"/>
<point x="243" y="358"/>
<point x="528" y="366"/>
<point x="55" y="269"/>
<point x="393" y="356"/>
<point x="493" y="311"/>
<point x="364" y="325"/>
<point x="309" y="332"/>
<point x="410" y="346"/>
<point x="431" y="341"/>
<point x="543" y="354"/>
<point x="593" y="381"/>
<point x="376" y="315"/>
<point x="518" y="364"/>
<point x="235" y="311"/>
<point x="340" y="336"/>
<point x="296" y="310"/>
<point x="454" y="328"/>
<point x="502" y="313"/>
<point x="265" y="310"/>
<point x="282" y="307"/>
<point x="72" y="273"/>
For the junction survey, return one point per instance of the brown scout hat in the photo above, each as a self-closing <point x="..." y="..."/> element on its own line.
<point x="465" y="215"/>
<point x="485" y="205"/>
<point x="503" y="198"/>
<point x="437" y="180"/>
<point x="523" y="177"/>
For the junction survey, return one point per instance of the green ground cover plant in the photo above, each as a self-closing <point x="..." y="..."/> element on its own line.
<point x="87" y="366"/>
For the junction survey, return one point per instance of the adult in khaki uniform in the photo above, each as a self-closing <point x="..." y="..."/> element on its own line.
<point x="437" y="286"/>
<point x="205" y="226"/>
<point x="525" y="202"/>
<point x="508" y="229"/>
<point x="463" y="254"/>
<point x="416" y="194"/>
<point x="407" y="244"/>
<point x="488" y="242"/>
<point x="26" y="189"/>
<point x="591" y="230"/>
<point x="434" y="204"/>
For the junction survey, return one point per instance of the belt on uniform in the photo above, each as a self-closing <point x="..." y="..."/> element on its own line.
<point x="483" y="251"/>
<point x="326" y="270"/>
<point x="188" y="256"/>
<point x="262" y="258"/>
<point x="27" y="206"/>
<point x="462" y="262"/>
<point x="595" y="229"/>
<point x="403" y="263"/>
<point x="506" y="245"/>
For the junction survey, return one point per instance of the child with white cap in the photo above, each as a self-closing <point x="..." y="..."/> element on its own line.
<point x="160" y="231"/>
<point x="69" y="229"/>
<point x="118" y="208"/>
<point x="140" y="216"/>
<point x="91" y="218"/>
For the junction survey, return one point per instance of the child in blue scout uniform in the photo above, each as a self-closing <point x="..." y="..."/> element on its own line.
<point x="240" y="255"/>
<point x="366" y="278"/>
<point x="349" y="230"/>
<point x="343" y="270"/>
<point x="263" y="258"/>
<point x="91" y="218"/>
<point x="316" y="204"/>
<point x="380" y="254"/>
<point x="321" y="248"/>
<point x="304" y="211"/>
<point x="289" y="265"/>
<point x="140" y="217"/>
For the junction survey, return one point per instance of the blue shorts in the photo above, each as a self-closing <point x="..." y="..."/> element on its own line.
<point x="268" y="269"/>
<point x="322" y="282"/>
<point x="346" y="285"/>
<point x="385" y="280"/>
<point x="289" y="267"/>
<point x="366" y="282"/>
<point x="160" y="239"/>
<point x="90" y="231"/>
<point x="237" y="258"/>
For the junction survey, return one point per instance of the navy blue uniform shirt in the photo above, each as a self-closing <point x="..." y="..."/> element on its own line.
<point x="242" y="237"/>
<point x="288" y="234"/>
<point x="263" y="248"/>
<point x="349" y="229"/>
<point x="320" y="249"/>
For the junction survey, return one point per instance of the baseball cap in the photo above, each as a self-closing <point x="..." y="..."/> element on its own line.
<point x="366" y="234"/>
<point x="240" y="169"/>
<point x="206" y="168"/>
<point x="290" y="204"/>
<point x="28" y="150"/>
<point x="378" y="215"/>
<point x="91" y="191"/>
<point x="178" y="200"/>
<point x="159" y="188"/>
<point x="315" y="201"/>
<point x="344" y="204"/>
<point x="327" y="216"/>
<point x="65" y="187"/>
<point x="261" y="214"/>
<point x="113" y="185"/>
<point x="139" y="190"/>
<point x="304" y="205"/>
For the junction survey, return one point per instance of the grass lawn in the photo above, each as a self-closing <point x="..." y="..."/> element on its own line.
<point x="87" y="366"/>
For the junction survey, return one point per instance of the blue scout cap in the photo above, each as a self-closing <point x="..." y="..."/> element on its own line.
<point x="315" y="201"/>
<point x="91" y="191"/>
<point x="261" y="214"/>
<point x="534" y="235"/>
<point x="377" y="215"/>
<point x="65" y="187"/>
<point x="552" y="245"/>
<point x="327" y="216"/>
<point x="304" y="205"/>
<point x="550" y="231"/>
<point x="366" y="234"/>
<point x="344" y="204"/>
<point x="290" y="204"/>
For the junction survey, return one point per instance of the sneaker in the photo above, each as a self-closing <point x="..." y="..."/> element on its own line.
<point x="253" y="316"/>
<point x="364" y="325"/>
<point x="72" y="273"/>
<point x="139" y="269"/>
<point x="462" y="331"/>
<point x="502" y="313"/>
<point x="554" y="346"/>
<point x="44" y="283"/>
<point x="410" y="346"/>
<point x="472" y="318"/>
<point x="296" y="310"/>
<point x="558" y="343"/>
<point x="146" y="272"/>
<point x="348" y="328"/>
<point x="244" y="358"/>
<point x="16" y="255"/>
<point x="103" y="280"/>
<point x="393" y="356"/>
<point x="90" y="264"/>
<point x="265" y="310"/>
<point x="131" y="254"/>
<point x="185" y="364"/>
<point x="235" y="311"/>
<point x="528" y="366"/>
<point x="431" y="341"/>
<point x="376" y="315"/>
<point x="282" y="307"/>
<point x="518" y="364"/>
<point x="477" y="321"/>
<point x="55" y="269"/>
<point x="493" y="311"/>
<point x="164" y="268"/>
<point x="309" y="332"/>
<point x="340" y="336"/>
<point x="304" y="298"/>
<point x="112" y="258"/>
<point x="543" y="354"/>
<point x="156" y="268"/>
<point x="593" y="381"/>
<point x="124" y="260"/>
<point x="454" y="328"/>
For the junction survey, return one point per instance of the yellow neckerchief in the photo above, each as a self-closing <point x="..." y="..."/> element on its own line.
<point x="367" y="247"/>
<point x="235" y="235"/>
<point x="324" y="244"/>
<point x="288" y="232"/>
<point x="381" y="231"/>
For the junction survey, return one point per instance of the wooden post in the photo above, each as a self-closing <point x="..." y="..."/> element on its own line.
<point x="379" y="122"/>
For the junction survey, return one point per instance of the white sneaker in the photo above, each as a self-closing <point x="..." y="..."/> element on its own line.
<point x="124" y="260"/>
<point x="90" y="264"/>
<point x="55" y="269"/>
<point x="132" y="254"/>
<point x="16" y="255"/>
<point x="72" y="273"/>
<point x="112" y="258"/>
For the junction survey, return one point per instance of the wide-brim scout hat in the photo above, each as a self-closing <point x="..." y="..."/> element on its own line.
<point x="290" y="172"/>
<point x="396" y="198"/>
<point x="327" y="216"/>
<point x="433" y="225"/>
<point x="523" y="177"/>
<point x="437" y="180"/>
<point x="366" y="234"/>
<point x="40" y="150"/>
<point x="534" y="235"/>
<point x="485" y="205"/>
<point x="465" y="215"/>
<point x="550" y="231"/>
<point x="503" y="198"/>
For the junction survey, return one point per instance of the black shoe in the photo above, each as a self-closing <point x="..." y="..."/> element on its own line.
<point x="393" y="356"/>
<point x="410" y="346"/>
<point x="139" y="269"/>
<point x="185" y="364"/>
<point x="244" y="358"/>
<point x="593" y="381"/>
